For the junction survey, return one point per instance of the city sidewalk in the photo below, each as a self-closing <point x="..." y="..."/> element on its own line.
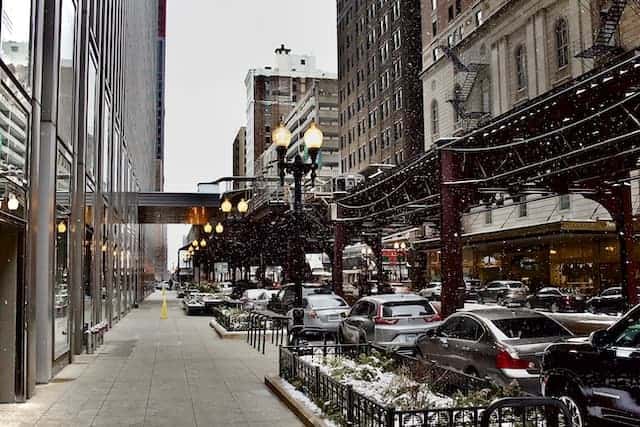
<point x="154" y="372"/>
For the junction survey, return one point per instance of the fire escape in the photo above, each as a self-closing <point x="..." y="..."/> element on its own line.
<point x="461" y="92"/>
<point x="604" y="43"/>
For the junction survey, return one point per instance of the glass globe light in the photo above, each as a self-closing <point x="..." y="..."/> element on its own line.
<point x="281" y="136"/>
<point x="219" y="228"/>
<point x="13" y="204"/>
<point x="403" y="246"/>
<point x="313" y="136"/>
<point x="226" y="206"/>
<point x="208" y="228"/>
<point x="203" y="242"/>
<point x="243" y="206"/>
<point x="195" y="243"/>
<point x="396" y="245"/>
<point x="62" y="227"/>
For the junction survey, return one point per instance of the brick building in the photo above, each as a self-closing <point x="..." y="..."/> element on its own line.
<point x="380" y="95"/>
<point x="272" y="91"/>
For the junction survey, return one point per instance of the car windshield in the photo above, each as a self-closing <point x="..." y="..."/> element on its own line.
<point x="530" y="327"/>
<point x="407" y="309"/>
<point x="326" y="301"/>
<point x="630" y="337"/>
<point x="514" y="285"/>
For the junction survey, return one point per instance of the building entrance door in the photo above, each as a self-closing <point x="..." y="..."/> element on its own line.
<point x="13" y="353"/>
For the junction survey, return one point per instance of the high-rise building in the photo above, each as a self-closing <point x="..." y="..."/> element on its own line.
<point x="319" y="105"/>
<point x="271" y="94"/>
<point x="380" y="95"/>
<point x="239" y="154"/>
<point x="158" y="239"/>
<point x="73" y="148"/>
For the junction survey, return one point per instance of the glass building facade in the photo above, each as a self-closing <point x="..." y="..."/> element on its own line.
<point x="73" y="150"/>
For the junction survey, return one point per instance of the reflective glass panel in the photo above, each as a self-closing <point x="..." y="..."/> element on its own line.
<point x="15" y="39"/>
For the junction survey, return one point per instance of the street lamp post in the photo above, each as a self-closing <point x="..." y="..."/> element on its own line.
<point x="299" y="169"/>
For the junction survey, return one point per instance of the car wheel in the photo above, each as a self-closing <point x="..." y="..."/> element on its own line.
<point x="575" y="406"/>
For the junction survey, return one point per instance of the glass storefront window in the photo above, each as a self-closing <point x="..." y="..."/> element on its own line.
<point x="15" y="40"/>
<point x="61" y="285"/>
<point x="90" y="154"/>
<point x="106" y="144"/>
<point x="65" y="82"/>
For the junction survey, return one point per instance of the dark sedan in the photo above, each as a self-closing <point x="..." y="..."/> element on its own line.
<point x="598" y="378"/>
<point x="507" y="292"/>
<point x="611" y="300"/>
<point x="502" y="344"/>
<point x="556" y="299"/>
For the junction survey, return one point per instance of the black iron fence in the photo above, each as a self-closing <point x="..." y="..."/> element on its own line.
<point x="346" y="406"/>
<point x="263" y="323"/>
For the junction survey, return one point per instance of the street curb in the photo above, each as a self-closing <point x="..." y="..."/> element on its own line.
<point x="308" y="418"/>
<point x="224" y="334"/>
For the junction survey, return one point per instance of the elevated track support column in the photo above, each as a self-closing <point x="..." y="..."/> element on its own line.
<point x="616" y="199"/>
<point x="452" y="205"/>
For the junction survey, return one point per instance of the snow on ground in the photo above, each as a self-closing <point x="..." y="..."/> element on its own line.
<point x="303" y="399"/>
<point x="384" y="387"/>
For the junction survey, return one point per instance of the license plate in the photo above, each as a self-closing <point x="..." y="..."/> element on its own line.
<point x="410" y="338"/>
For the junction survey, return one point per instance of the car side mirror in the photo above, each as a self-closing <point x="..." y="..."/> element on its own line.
<point x="600" y="339"/>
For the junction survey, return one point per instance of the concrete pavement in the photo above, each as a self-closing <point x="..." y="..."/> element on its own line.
<point x="153" y="372"/>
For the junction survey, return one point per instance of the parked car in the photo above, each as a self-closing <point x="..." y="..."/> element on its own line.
<point x="504" y="292"/>
<point x="226" y="288"/>
<point x="240" y="286"/>
<point x="393" y="320"/>
<point x="433" y="291"/>
<point x="502" y="344"/>
<point x="556" y="299"/>
<point x="611" y="300"/>
<point x="599" y="377"/>
<point x="471" y="289"/>
<point x="286" y="296"/>
<point x="322" y="313"/>
<point x="255" y="299"/>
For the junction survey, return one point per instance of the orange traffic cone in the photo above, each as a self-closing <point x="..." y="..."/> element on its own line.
<point x="164" y="311"/>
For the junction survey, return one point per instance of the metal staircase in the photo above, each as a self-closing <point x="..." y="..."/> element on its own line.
<point x="609" y="22"/>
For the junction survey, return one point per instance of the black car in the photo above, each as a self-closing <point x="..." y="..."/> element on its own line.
<point x="598" y="378"/>
<point x="285" y="299"/>
<point x="556" y="299"/>
<point x="611" y="300"/>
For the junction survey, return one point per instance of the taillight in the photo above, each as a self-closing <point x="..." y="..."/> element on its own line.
<point x="312" y="314"/>
<point x="379" y="320"/>
<point x="504" y="360"/>
<point x="435" y="318"/>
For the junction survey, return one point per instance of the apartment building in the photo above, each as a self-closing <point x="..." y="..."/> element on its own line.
<point x="380" y="93"/>
<point x="272" y="92"/>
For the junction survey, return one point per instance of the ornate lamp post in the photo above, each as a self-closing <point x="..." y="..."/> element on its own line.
<point x="299" y="169"/>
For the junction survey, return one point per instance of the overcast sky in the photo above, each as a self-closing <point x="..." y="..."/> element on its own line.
<point x="211" y="44"/>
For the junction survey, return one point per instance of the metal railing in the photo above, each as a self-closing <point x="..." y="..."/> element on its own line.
<point x="262" y="323"/>
<point x="348" y="407"/>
